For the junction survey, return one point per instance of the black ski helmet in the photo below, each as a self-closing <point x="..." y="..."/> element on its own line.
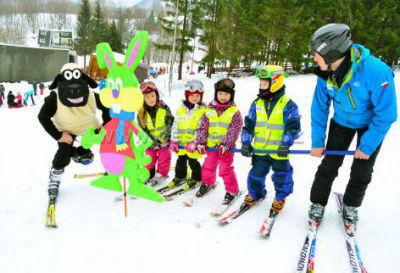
<point x="331" y="41"/>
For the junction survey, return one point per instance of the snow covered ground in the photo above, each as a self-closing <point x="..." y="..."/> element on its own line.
<point x="94" y="236"/>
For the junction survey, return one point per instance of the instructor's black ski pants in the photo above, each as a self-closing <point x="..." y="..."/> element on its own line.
<point x="340" y="138"/>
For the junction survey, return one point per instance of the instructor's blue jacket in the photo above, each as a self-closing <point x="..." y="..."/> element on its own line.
<point x="366" y="98"/>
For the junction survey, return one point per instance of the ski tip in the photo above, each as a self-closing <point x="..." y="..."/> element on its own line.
<point x="168" y="198"/>
<point x="227" y="218"/>
<point x="215" y="213"/>
<point x="225" y="221"/>
<point x="264" y="232"/>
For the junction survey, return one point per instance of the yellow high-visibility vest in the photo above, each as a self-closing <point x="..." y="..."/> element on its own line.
<point x="158" y="130"/>
<point x="187" y="128"/>
<point x="268" y="132"/>
<point x="218" y="125"/>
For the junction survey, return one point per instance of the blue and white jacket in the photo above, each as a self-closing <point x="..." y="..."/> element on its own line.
<point x="366" y="98"/>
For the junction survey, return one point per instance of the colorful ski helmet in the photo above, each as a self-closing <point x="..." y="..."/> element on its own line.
<point x="148" y="87"/>
<point x="194" y="87"/>
<point x="226" y="85"/>
<point x="274" y="73"/>
<point x="331" y="41"/>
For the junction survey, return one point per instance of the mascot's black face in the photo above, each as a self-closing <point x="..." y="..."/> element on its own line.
<point x="72" y="85"/>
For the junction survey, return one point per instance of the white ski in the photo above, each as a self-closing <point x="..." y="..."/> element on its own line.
<point x="223" y="207"/>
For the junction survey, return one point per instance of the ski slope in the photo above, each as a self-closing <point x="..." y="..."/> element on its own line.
<point x="94" y="236"/>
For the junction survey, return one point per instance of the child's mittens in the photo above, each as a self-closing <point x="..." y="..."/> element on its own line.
<point x="156" y="145"/>
<point x="283" y="151"/>
<point x="201" y="149"/>
<point x="246" y="150"/>
<point x="164" y="145"/>
<point x="223" y="150"/>
<point x="174" y="146"/>
<point x="191" y="147"/>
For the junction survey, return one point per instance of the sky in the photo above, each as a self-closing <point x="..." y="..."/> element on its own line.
<point x="123" y="2"/>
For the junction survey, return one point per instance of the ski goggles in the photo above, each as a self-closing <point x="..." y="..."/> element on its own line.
<point x="194" y="86"/>
<point x="224" y="84"/>
<point x="265" y="73"/>
<point x="148" y="86"/>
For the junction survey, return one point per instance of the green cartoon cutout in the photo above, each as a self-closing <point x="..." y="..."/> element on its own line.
<point x="118" y="152"/>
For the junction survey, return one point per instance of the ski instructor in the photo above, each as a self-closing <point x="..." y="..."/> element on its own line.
<point x="362" y="91"/>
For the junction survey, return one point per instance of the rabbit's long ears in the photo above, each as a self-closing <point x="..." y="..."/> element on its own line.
<point x="136" y="50"/>
<point x="105" y="56"/>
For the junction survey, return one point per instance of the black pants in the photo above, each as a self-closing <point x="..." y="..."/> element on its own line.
<point x="181" y="168"/>
<point x="33" y="102"/>
<point x="340" y="138"/>
<point x="152" y="173"/>
<point x="62" y="158"/>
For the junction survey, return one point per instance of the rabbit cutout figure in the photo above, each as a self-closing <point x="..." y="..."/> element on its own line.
<point x="118" y="152"/>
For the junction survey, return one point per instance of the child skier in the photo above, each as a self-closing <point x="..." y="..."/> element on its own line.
<point x="41" y="88"/>
<point x="156" y="120"/>
<point x="273" y="123"/>
<point x="219" y="128"/>
<point x="19" y="101"/>
<point x="184" y="132"/>
<point x="11" y="100"/>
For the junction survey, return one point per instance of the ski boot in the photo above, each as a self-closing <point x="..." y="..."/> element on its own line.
<point x="191" y="184"/>
<point x="315" y="214"/>
<point x="276" y="207"/>
<point x="157" y="179"/>
<point x="54" y="184"/>
<point x="176" y="182"/>
<point x="350" y="219"/>
<point x="229" y="198"/>
<point x="204" y="189"/>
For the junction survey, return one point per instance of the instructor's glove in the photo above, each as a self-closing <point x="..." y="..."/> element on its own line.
<point x="246" y="150"/>
<point x="283" y="151"/>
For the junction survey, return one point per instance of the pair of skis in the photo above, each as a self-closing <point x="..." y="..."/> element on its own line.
<point x="306" y="260"/>
<point x="176" y="191"/>
<point x="267" y="225"/>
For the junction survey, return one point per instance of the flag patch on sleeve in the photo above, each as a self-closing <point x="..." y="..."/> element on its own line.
<point x="385" y="84"/>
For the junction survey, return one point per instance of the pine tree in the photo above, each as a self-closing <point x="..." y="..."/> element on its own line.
<point x="99" y="27"/>
<point x="212" y="30"/>
<point x="115" y="38"/>
<point x="82" y="42"/>
<point x="185" y="33"/>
